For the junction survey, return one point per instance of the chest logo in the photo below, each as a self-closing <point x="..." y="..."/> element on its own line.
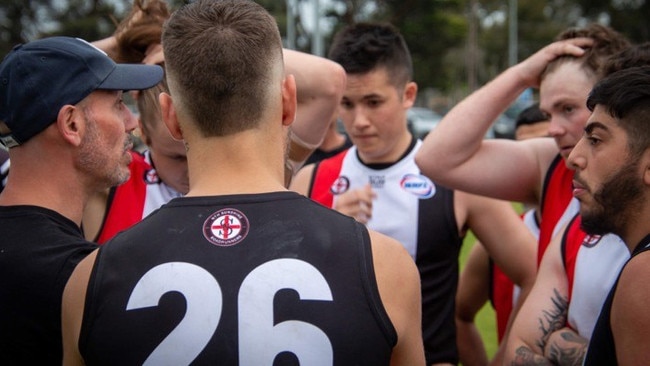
<point x="226" y="227"/>
<point x="590" y="241"/>
<point x="418" y="185"/>
<point x="340" y="185"/>
<point x="151" y="177"/>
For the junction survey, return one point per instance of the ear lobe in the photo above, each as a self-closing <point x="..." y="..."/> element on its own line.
<point x="169" y="117"/>
<point x="646" y="165"/>
<point x="71" y="124"/>
<point x="289" y="100"/>
<point x="410" y="93"/>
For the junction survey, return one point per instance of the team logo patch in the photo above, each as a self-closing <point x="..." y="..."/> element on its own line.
<point x="418" y="185"/>
<point x="151" y="177"/>
<point x="226" y="227"/>
<point x="590" y="241"/>
<point x="340" y="185"/>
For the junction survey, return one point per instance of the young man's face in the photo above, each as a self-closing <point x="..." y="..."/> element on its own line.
<point x="373" y="112"/>
<point x="104" y="152"/>
<point x="563" y="97"/>
<point x="607" y="182"/>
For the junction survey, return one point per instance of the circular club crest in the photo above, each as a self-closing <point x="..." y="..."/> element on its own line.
<point x="340" y="185"/>
<point x="226" y="227"/>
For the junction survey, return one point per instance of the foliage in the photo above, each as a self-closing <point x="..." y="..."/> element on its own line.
<point x="445" y="57"/>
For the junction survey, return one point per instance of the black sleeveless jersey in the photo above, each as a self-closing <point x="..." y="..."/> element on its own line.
<point x="39" y="249"/>
<point x="265" y="279"/>
<point x="602" y="350"/>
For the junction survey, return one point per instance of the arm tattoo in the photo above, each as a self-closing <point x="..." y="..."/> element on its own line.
<point x="550" y="321"/>
<point x="570" y="353"/>
<point x="553" y="319"/>
<point x="525" y="356"/>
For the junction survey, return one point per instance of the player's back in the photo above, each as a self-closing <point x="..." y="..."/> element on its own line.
<point x="241" y="280"/>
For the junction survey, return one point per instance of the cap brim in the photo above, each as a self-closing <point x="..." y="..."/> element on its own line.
<point x="132" y="77"/>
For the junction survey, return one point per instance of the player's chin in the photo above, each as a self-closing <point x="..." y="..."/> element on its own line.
<point x="122" y="176"/>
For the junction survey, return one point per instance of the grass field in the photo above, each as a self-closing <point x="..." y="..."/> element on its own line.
<point x="485" y="319"/>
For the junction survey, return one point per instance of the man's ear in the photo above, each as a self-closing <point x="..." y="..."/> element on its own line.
<point x="289" y="100"/>
<point x="645" y="161"/>
<point x="410" y="93"/>
<point x="169" y="117"/>
<point x="71" y="124"/>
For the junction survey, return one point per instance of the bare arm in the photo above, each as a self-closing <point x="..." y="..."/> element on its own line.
<point x="566" y="347"/>
<point x="398" y="281"/>
<point x="320" y="84"/>
<point x="543" y="313"/>
<point x="455" y="153"/>
<point x="503" y="234"/>
<point x="473" y="293"/>
<point x="72" y="310"/>
<point x="630" y="319"/>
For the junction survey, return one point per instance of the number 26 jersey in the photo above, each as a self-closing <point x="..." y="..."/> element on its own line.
<point x="237" y="280"/>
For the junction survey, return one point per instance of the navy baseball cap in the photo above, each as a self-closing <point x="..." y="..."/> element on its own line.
<point x="40" y="77"/>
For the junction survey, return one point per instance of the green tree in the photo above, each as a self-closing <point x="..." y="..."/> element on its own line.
<point x="26" y="20"/>
<point x="629" y="17"/>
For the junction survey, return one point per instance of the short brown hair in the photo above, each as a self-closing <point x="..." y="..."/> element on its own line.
<point x="141" y="28"/>
<point x="607" y="42"/>
<point x="636" y="55"/>
<point x="222" y="58"/>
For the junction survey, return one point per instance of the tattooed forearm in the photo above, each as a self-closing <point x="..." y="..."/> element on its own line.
<point x="568" y="349"/>
<point x="525" y="356"/>
<point x="553" y="319"/>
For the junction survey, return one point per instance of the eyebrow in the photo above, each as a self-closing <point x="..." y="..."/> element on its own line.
<point x="594" y="125"/>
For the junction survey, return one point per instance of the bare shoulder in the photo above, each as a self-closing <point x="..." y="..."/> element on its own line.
<point x="630" y="319"/>
<point x="301" y="181"/>
<point x="396" y="273"/>
<point x="632" y="290"/>
<point x="73" y="303"/>
<point x="389" y="256"/>
<point x="398" y="281"/>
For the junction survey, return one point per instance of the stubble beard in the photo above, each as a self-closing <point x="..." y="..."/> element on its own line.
<point x="94" y="159"/>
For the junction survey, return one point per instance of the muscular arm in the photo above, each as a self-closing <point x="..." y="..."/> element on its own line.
<point x="455" y="153"/>
<point x="503" y="234"/>
<point x="542" y="315"/>
<point x="473" y="293"/>
<point x="320" y="84"/>
<point x="566" y="347"/>
<point x="398" y="281"/>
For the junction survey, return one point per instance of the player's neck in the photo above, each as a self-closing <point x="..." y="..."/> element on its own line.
<point x="244" y="163"/>
<point x="53" y="191"/>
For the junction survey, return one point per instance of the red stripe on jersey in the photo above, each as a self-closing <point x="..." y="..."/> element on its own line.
<point x="325" y="173"/>
<point x="571" y="243"/>
<point x="557" y="196"/>
<point x="125" y="209"/>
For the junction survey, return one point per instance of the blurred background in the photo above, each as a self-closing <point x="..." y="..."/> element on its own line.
<point x="457" y="45"/>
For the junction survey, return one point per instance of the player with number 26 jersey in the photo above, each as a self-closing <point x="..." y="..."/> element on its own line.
<point x="291" y="279"/>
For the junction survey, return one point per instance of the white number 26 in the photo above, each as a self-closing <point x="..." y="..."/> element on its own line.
<point x="259" y="339"/>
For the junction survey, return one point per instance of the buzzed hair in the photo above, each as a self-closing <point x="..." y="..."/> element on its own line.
<point x="365" y="47"/>
<point x="222" y="59"/>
